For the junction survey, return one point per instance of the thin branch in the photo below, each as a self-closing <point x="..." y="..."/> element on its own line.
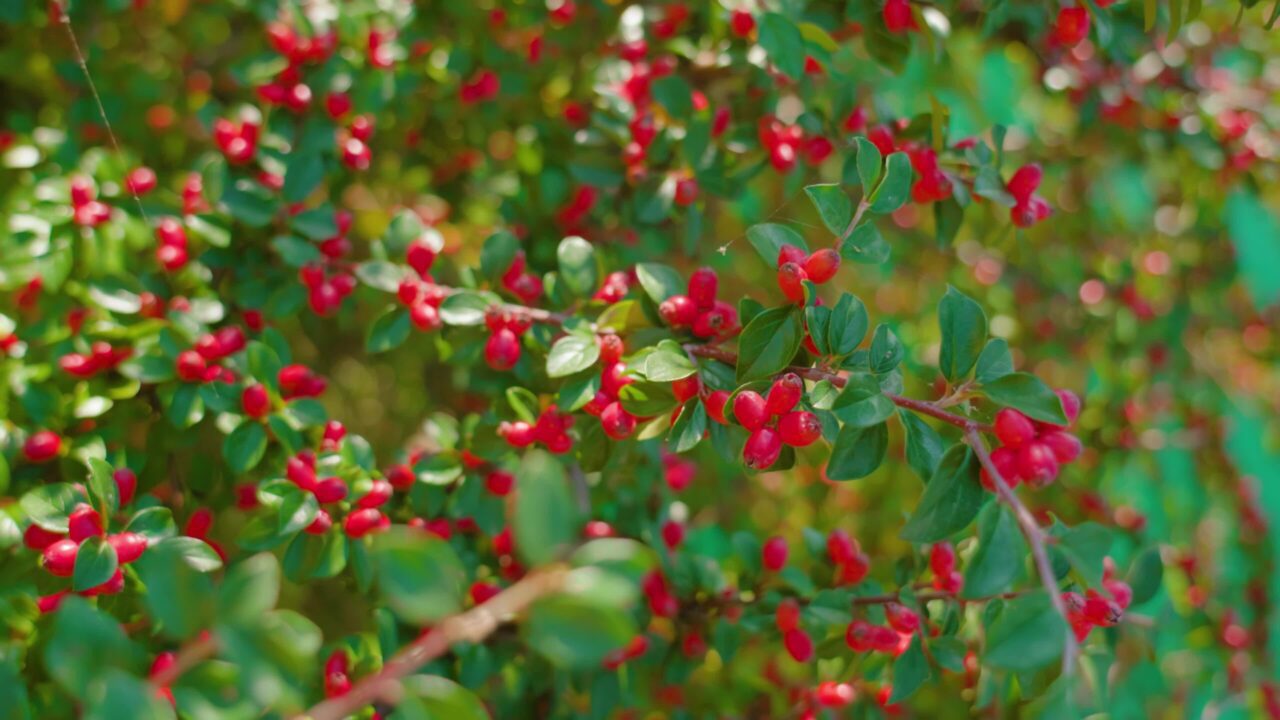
<point x="471" y="626"/>
<point x="199" y="650"/>
<point x="1035" y="538"/>
<point x="921" y="406"/>
<point x="927" y="596"/>
<point x="863" y="206"/>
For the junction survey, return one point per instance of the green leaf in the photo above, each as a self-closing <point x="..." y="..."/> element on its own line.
<point x="833" y="205"/>
<point x="769" y="342"/>
<point x="430" y="697"/>
<point x="647" y="399"/>
<point x="316" y="224"/>
<point x="380" y="275"/>
<point x="389" y="330"/>
<point x="573" y="632"/>
<point x="865" y="245"/>
<point x="154" y="523"/>
<point x="572" y="354"/>
<point x="990" y="185"/>
<point x="910" y="671"/>
<point x="674" y="94"/>
<point x="96" y="562"/>
<point x="1253" y="227"/>
<point x="577" y="261"/>
<point x="769" y="238"/>
<point x="1085" y="546"/>
<point x="995" y="361"/>
<point x="249" y="590"/>
<point x="185" y="405"/>
<point x="668" y="362"/>
<point x="964" y="330"/>
<point x="465" y="308"/>
<point x="951" y="500"/>
<point x="817" y="320"/>
<point x="857" y="452"/>
<point x="1027" y="635"/>
<point x="120" y="696"/>
<point x="49" y="505"/>
<point x="896" y="185"/>
<point x="497" y="253"/>
<point x="1027" y="393"/>
<point x="783" y="43"/>
<point x="869" y="164"/>
<point x="244" y="447"/>
<point x="659" y="281"/>
<point x="1145" y="575"/>
<point x="924" y="445"/>
<point x="295" y="251"/>
<point x="886" y="351"/>
<point x="303" y="175"/>
<point x="102" y="485"/>
<point x="545" y="520"/>
<point x="179" y="596"/>
<point x="419" y="574"/>
<point x="847" y="325"/>
<point x="689" y="428"/>
<point x="84" y="643"/>
<point x="999" y="557"/>
<point x="865" y="412"/>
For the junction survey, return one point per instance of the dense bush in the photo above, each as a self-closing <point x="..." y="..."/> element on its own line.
<point x="601" y="359"/>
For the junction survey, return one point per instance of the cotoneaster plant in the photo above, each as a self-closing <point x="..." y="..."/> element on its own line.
<point x="610" y="348"/>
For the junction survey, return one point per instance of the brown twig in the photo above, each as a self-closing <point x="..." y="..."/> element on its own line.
<point x="1036" y="538"/>
<point x="196" y="652"/>
<point x="921" y="406"/>
<point x="472" y="626"/>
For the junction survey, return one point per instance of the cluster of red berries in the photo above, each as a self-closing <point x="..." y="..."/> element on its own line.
<point x="502" y="350"/>
<point x="615" y="420"/>
<point x="364" y="518"/>
<point x="794" y="267"/>
<point x="942" y="561"/>
<point x="1029" y="208"/>
<point x="798" y="643"/>
<point x="677" y="471"/>
<point x="551" y="429"/>
<point x="59" y="549"/>
<point x="238" y="140"/>
<point x="1094" y="609"/>
<point x="355" y="143"/>
<point x="325" y="292"/>
<point x="198" y="364"/>
<point x="661" y="598"/>
<point x="699" y="310"/>
<point x="423" y="298"/>
<point x="337" y="669"/>
<point x="786" y="143"/>
<point x="101" y="358"/>
<point x="852" y="563"/>
<point x="1032" y="451"/>
<point x="171" y="247"/>
<point x="88" y="211"/>
<point x="773" y="421"/>
<point x="933" y="185"/>
<point x="1071" y="26"/>
<point x="298" y="381"/>
<point x="504" y="548"/>
<point x="571" y="215"/>
<point x="193" y="195"/>
<point x="483" y="85"/>
<point x="891" y="639"/>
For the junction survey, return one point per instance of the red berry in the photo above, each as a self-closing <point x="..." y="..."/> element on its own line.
<point x="741" y="22"/>
<point x="617" y="422"/>
<point x="1071" y="26"/>
<point x="686" y="388"/>
<point x="799" y="429"/>
<point x="126" y="484"/>
<point x="60" y="557"/>
<point x="379" y="493"/>
<point x="686" y="191"/>
<point x="191" y="366"/>
<point x="787" y="616"/>
<point x="329" y="490"/>
<point x="611" y="349"/>
<point x="255" y="401"/>
<point x="898" y="17"/>
<point x="750" y="409"/>
<point x="140" y="180"/>
<point x="774" y="553"/>
<point x="128" y="546"/>
<point x="83" y="523"/>
<point x="1024" y="182"/>
<point x="678" y="311"/>
<point x="320" y="525"/>
<point x="791" y="279"/>
<point x="715" y="403"/>
<point x="799" y="645"/>
<point x="762" y="448"/>
<point x="420" y="256"/>
<point x="1065" y="446"/>
<point x="1006" y="461"/>
<point x="883" y="639"/>
<point x="791" y="254"/>
<point x="784" y="394"/>
<point x="822" y="265"/>
<point x="942" y="559"/>
<point x="502" y="350"/>
<point x="42" y="446"/>
<point x="425" y="316"/>
<point x="1037" y="464"/>
<point x="1070" y="406"/>
<point x="840" y="547"/>
<point x="702" y="288"/>
<point x="37" y="538"/>
<point x="365" y="521"/>
<point x="832" y="694"/>
<point x="1013" y="428"/>
<point x="901" y="618"/>
<point x="672" y="534"/>
<point x="858" y="636"/>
